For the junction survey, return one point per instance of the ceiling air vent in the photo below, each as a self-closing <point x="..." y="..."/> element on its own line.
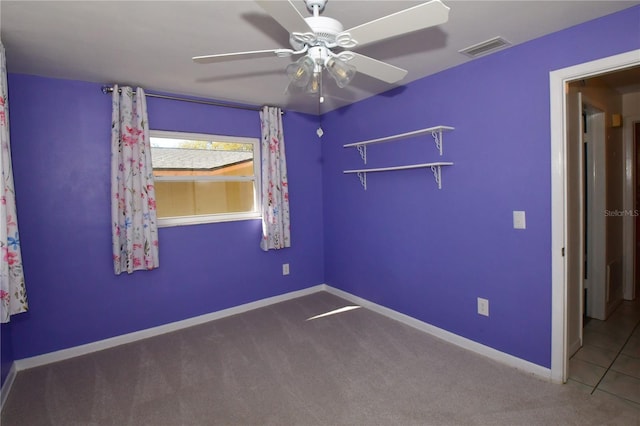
<point x="485" y="47"/>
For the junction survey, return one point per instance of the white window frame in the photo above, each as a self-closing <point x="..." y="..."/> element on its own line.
<point x="218" y="217"/>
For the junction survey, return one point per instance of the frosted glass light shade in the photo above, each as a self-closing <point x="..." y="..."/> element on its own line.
<point x="314" y="84"/>
<point x="301" y="71"/>
<point x="341" y="71"/>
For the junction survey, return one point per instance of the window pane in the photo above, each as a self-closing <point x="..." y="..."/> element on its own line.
<point x="197" y="198"/>
<point x="196" y="176"/>
<point x="175" y="157"/>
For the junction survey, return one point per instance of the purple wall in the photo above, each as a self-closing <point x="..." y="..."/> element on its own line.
<point x="61" y="142"/>
<point x="430" y="253"/>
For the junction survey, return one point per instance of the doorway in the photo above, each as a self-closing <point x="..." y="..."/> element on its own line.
<point x="566" y="247"/>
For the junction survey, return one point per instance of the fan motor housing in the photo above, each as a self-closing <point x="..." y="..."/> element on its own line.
<point x="325" y="28"/>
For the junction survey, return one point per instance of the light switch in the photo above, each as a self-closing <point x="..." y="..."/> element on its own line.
<point x="519" y="220"/>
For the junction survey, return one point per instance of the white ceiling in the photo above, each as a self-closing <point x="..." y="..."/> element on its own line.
<point x="150" y="43"/>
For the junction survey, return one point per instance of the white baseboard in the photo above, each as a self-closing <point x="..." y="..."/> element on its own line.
<point x="496" y="355"/>
<point x="6" y="386"/>
<point x="447" y="336"/>
<point x="26" y="363"/>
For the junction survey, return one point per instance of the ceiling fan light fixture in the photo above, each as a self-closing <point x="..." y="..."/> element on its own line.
<point x="341" y="71"/>
<point x="316" y="36"/>
<point x="301" y="71"/>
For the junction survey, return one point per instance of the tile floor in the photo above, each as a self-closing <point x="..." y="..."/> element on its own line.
<point x="608" y="364"/>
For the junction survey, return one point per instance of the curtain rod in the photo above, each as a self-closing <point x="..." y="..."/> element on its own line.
<point x="108" y="89"/>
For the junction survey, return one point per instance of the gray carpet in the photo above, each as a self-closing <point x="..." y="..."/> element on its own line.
<point x="271" y="366"/>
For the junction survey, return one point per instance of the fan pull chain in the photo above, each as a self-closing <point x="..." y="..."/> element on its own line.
<point x="321" y="97"/>
<point x="320" y="132"/>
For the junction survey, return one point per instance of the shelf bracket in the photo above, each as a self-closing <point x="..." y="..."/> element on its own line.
<point x="437" y="137"/>
<point x="437" y="174"/>
<point x="363" y="179"/>
<point x="362" y="149"/>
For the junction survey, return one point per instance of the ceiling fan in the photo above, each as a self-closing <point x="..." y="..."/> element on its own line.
<point x="327" y="46"/>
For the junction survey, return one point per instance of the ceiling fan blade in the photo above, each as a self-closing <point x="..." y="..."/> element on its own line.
<point x="377" y="69"/>
<point x="415" y="18"/>
<point x="210" y="59"/>
<point x="286" y="14"/>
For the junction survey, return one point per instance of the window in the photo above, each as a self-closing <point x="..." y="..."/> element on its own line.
<point x="205" y="178"/>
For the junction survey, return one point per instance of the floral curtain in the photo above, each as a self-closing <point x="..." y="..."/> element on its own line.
<point x="133" y="201"/>
<point x="276" y="233"/>
<point x="13" y="294"/>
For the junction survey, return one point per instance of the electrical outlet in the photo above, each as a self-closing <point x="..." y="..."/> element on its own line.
<point x="483" y="306"/>
<point x="519" y="220"/>
<point x="285" y="269"/>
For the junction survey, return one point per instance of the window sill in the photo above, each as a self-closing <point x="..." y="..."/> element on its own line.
<point x="167" y="222"/>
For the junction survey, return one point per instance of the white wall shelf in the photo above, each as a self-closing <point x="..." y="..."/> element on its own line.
<point x="435" y="168"/>
<point x="436" y="133"/>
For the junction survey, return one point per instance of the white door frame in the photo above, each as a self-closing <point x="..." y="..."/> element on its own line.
<point x="557" y="91"/>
